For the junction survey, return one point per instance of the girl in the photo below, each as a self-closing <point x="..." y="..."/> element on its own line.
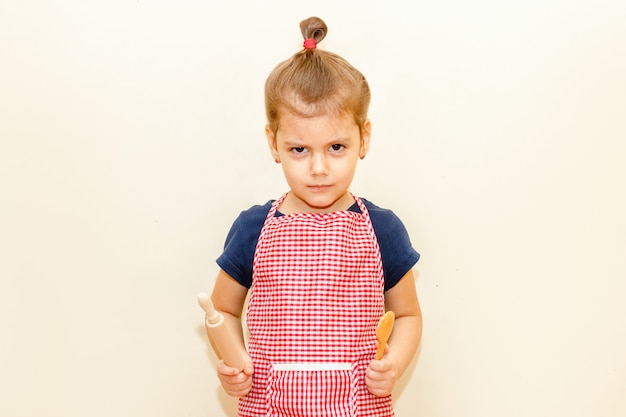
<point x="321" y="265"/>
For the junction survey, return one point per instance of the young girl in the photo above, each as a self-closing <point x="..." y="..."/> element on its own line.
<point x="321" y="265"/>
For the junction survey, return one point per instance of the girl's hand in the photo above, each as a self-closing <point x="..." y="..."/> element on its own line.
<point x="381" y="375"/>
<point x="236" y="383"/>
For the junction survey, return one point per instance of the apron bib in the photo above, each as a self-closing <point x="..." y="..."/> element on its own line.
<point x="317" y="294"/>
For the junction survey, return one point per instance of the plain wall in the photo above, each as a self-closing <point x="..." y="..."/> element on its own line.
<point x="131" y="135"/>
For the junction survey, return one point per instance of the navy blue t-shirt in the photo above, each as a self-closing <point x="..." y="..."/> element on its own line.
<point x="397" y="253"/>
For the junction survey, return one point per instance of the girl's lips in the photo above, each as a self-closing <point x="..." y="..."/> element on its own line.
<point x="319" y="188"/>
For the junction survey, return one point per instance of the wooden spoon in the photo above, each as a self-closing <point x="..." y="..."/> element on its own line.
<point x="383" y="331"/>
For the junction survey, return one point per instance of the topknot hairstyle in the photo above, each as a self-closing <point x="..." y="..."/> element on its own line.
<point x="314" y="82"/>
<point x="313" y="28"/>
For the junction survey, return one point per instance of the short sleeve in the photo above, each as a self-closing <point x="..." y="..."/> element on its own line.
<point x="238" y="255"/>
<point x="396" y="249"/>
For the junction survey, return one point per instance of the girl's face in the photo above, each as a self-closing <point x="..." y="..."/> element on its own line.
<point x="319" y="157"/>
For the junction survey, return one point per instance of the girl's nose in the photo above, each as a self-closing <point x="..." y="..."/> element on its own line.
<point x="319" y="165"/>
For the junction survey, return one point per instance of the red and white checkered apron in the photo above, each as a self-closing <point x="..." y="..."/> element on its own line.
<point x="317" y="294"/>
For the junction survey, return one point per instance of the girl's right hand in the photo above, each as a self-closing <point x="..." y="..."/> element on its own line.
<point x="236" y="383"/>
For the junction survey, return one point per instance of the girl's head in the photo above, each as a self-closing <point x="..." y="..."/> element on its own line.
<point x="315" y="82"/>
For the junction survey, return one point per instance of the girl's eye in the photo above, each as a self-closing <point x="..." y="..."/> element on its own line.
<point x="337" y="147"/>
<point x="298" y="150"/>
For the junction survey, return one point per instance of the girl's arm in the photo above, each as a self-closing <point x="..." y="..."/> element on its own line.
<point x="229" y="297"/>
<point x="382" y="375"/>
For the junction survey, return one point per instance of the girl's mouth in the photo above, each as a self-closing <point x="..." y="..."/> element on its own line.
<point x="319" y="187"/>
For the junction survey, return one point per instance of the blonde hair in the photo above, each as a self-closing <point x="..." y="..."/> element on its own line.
<point x="314" y="82"/>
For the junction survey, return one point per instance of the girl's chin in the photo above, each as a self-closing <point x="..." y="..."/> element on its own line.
<point x="319" y="204"/>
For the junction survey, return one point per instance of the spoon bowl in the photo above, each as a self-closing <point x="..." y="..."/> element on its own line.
<point x="383" y="331"/>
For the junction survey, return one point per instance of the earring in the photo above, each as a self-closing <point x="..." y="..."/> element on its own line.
<point x="277" y="160"/>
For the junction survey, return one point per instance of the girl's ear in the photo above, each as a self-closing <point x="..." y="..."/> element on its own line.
<point x="366" y="133"/>
<point x="271" y="142"/>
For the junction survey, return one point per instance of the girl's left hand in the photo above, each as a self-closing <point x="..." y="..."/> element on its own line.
<point x="381" y="375"/>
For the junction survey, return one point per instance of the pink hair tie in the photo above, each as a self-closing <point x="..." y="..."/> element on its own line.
<point x="310" y="43"/>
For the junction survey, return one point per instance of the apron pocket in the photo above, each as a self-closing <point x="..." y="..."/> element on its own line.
<point x="310" y="390"/>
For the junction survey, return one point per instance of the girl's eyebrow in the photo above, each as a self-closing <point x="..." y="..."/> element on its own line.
<point x="330" y="142"/>
<point x="296" y="144"/>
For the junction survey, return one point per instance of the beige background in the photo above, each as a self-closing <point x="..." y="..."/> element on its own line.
<point x="131" y="135"/>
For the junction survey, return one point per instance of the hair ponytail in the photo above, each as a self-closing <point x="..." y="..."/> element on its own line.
<point x="314" y="29"/>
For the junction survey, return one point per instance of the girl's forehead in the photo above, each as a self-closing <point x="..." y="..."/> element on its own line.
<point x="320" y="130"/>
<point x="321" y="123"/>
<point x="322" y="118"/>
